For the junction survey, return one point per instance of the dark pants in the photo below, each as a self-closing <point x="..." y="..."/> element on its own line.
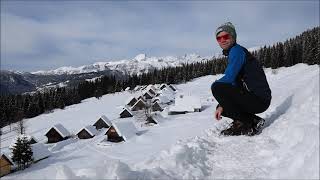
<point x="238" y="104"/>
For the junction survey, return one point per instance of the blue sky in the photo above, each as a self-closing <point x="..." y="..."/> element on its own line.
<point x="43" y="35"/>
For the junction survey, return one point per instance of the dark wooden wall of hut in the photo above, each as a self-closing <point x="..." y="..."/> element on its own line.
<point x="53" y="136"/>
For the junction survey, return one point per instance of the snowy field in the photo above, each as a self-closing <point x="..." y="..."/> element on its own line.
<point x="188" y="146"/>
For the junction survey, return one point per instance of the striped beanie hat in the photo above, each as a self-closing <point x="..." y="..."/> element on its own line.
<point x="229" y="28"/>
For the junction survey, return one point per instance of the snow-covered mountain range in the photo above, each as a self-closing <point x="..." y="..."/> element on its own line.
<point x="140" y="64"/>
<point x="17" y="82"/>
<point x="20" y="82"/>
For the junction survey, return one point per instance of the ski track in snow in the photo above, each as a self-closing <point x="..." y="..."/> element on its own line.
<point x="287" y="147"/>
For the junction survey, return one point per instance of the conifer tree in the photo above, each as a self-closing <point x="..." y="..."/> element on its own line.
<point x="22" y="153"/>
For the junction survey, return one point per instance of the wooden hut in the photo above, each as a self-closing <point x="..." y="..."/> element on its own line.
<point x="139" y="105"/>
<point x="151" y="119"/>
<point x="5" y="164"/>
<point x="156" y="107"/>
<point x="162" y="99"/>
<point x="57" y="133"/>
<point x="113" y="135"/>
<point x="144" y="87"/>
<point x="125" y="113"/>
<point x="151" y="90"/>
<point x="87" y="132"/>
<point x="102" y="122"/>
<point x="173" y="88"/>
<point x="131" y="101"/>
<point x="121" y="131"/>
<point x="156" y="100"/>
<point x="162" y="86"/>
<point x="31" y="139"/>
<point x="142" y="98"/>
<point x="147" y="95"/>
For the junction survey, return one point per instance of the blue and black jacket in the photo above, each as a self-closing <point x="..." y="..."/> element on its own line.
<point x="244" y="71"/>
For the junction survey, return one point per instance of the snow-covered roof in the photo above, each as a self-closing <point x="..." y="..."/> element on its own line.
<point x="157" y="86"/>
<point x="144" y="87"/>
<point x="126" y="129"/>
<point x="181" y="108"/>
<point x="28" y="137"/>
<point x="142" y="101"/>
<point x="185" y="103"/>
<point x="105" y="119"/>
<point x="7" y="157"/>
<point x="168" y="92"/>
<point x="129" y="99"/>
<point x="191" y="100"/>
<point x="125" y="108"/>
<point x="31" y="137"/>
<point x="150" y="86"/>
<point x="161" y="106"/>
<point x="164" y="84"/>
<point x="91" y="130"/>
<point x="172" y="86"/>
<point x="152" y="91"/>
<point x="163" y="99"/>
<point x="155" y="119"/>
<point x="147" y="92"/>
<point x="40" y="151"/>
<point x="61" y="130"/>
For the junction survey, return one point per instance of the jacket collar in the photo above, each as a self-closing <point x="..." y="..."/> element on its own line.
<point x="226" y="52"/>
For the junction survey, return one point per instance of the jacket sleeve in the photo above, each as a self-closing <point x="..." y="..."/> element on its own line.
<point x="236" y="60"/>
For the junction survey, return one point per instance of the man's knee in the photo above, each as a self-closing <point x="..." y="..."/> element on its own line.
<point x="216" y="88"/>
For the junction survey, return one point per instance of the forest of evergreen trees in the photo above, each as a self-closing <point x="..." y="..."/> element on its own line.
<point x="301" y="49"/>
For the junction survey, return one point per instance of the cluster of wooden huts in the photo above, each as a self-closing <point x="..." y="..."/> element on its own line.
<point x="162" y="94"/>
<point x="152" y="97"/>
<point x="157" y="95"/>
<point x="114" y="131"/>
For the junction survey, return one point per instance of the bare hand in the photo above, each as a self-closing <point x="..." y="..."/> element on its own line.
<point x="218" y="113"/>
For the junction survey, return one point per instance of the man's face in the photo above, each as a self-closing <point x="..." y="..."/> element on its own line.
<point x="225" y="40"/>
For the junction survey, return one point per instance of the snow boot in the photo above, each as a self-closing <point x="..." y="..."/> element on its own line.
<point x="258" y="124"/>
<point x="238" y="128"/>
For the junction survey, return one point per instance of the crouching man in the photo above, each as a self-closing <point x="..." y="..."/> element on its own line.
<point x="243" y="91"/>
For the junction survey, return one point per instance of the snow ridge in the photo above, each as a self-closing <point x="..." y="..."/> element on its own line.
<point x="140" y="64"/>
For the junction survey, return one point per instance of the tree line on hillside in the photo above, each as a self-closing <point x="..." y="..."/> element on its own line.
<point x="301" y="49"/>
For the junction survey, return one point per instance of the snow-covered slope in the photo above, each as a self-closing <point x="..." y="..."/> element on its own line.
<point x="188" y="146"/>
<point x="141" y="63"/>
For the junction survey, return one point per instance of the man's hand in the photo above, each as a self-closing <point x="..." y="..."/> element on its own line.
<point x="218" y="113"/>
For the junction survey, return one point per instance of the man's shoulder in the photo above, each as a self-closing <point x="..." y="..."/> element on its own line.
<point x="237" y="49"/>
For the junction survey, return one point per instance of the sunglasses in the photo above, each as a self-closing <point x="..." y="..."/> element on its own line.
<point x="225" y="37"/>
